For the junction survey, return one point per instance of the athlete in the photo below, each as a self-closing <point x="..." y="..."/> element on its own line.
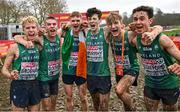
<point x="126" y="63"/>
<point x="161" y="84"/>
<point x="49" y="63"/>
<point x="98" y="72"/>
<point x="24" y="90"/>
<point x="74" y="61"/>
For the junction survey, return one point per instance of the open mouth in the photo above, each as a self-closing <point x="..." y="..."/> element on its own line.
<point x="31" y="34"/>
<point x="114" y="30"/>
<point x="139" y="26"/>
<point x="52" y="30"/>
<point x="76" y="26"/>
<point x="92" y="25"/>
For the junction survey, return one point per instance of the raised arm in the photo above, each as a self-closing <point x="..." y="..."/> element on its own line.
<point x="147" y="36"/>
<point x="152" y="34"/>
<point x="155" y="31"/>
<point x="7" y="64"/>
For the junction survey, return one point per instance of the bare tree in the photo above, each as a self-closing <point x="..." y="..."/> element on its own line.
<point x="5" y="12"/>
<point x="14" y="10"/>
<point x="42" y="8"/>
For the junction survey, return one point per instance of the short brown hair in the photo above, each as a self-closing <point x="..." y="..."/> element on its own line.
<point x="75" y="14"/>
<point x="50" y="17"/>
<point x="147" y="9"/>
<point x="112" y="17"/>
<point x="91" y="11"/>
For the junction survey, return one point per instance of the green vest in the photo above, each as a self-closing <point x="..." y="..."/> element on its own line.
<point x="97" y="54"/>
<point x="130" y="59"/>
<point x="49" y="65"/>
<point x="27" y="63"/>
<point x="156" y="62"/>
<point x="70" y="61"/>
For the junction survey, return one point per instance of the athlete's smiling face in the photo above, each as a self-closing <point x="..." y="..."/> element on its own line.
<point x="115" y="28"/>
<point x="76" y="23"/>
<point x="94" y="22"/>
<point x="142" y="21"/>
<point x="30" y="30"/>
<point x="51" y="27"/>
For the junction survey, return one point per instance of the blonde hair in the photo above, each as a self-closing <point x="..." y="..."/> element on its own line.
<point x="112" y="17"/>
<point x="29" y="19"/>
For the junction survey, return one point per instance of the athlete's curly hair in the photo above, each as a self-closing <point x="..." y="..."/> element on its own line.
<point x="91" y="11"/>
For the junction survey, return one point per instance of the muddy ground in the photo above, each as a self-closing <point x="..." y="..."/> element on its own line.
<point x="114" y="103"/>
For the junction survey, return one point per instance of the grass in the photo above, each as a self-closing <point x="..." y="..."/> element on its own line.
<point x="172" y="32"/>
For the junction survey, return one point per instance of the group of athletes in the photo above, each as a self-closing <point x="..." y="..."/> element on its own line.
<point x="35" y="60"/>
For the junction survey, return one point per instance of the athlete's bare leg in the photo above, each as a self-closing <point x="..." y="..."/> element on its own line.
<point x="53" y="102"/>
<point x="46" y="104"/>
<point x="104" y="100"/>
<point x="96" y="101"/>
<point x="82" y="89"/>
<point x="122" y="91"/>
<point x="14" y="108"/>
<point x="34" y="108"/>
<point x="170" y="107"/>
<point x="69" y="100"/>
<point x="151" y="105"/>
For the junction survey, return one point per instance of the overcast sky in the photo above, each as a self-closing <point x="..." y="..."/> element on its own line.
<point x="166" y="6"/>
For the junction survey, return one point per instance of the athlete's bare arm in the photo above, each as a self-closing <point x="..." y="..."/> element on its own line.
<point x="169" y="46"/>
<point x="106" y="33"/>
<point x="28" y="44"/>
<point x="11" y="55"/>
<point x="148" y="36"/>
<point x="62" y="31"/>
<point x="175" y="68"/>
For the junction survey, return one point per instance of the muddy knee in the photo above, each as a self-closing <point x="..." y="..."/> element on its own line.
<point x="119" y="91"/>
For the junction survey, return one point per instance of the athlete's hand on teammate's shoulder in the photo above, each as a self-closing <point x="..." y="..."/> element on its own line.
<point x="175" y="68"/>
<point x="84" y="25"/>
<point x="65" y="26"/>
<point x="148" y="37"/>
<point x="131" y="27"/>
<point x="41" y="31"/>
<point x="29" y="44"/>
<point x="13" y="75"/>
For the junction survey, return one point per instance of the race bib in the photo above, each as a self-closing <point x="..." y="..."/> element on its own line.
<point x="155" y="67"/>
<point x="119" y="66"/>
<point x="73" y="59"/>
<point x="95" y="53"/>
<point x="29" y="70"/>
<point x="53" y="68"/>
<point x="119" y="69"/>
